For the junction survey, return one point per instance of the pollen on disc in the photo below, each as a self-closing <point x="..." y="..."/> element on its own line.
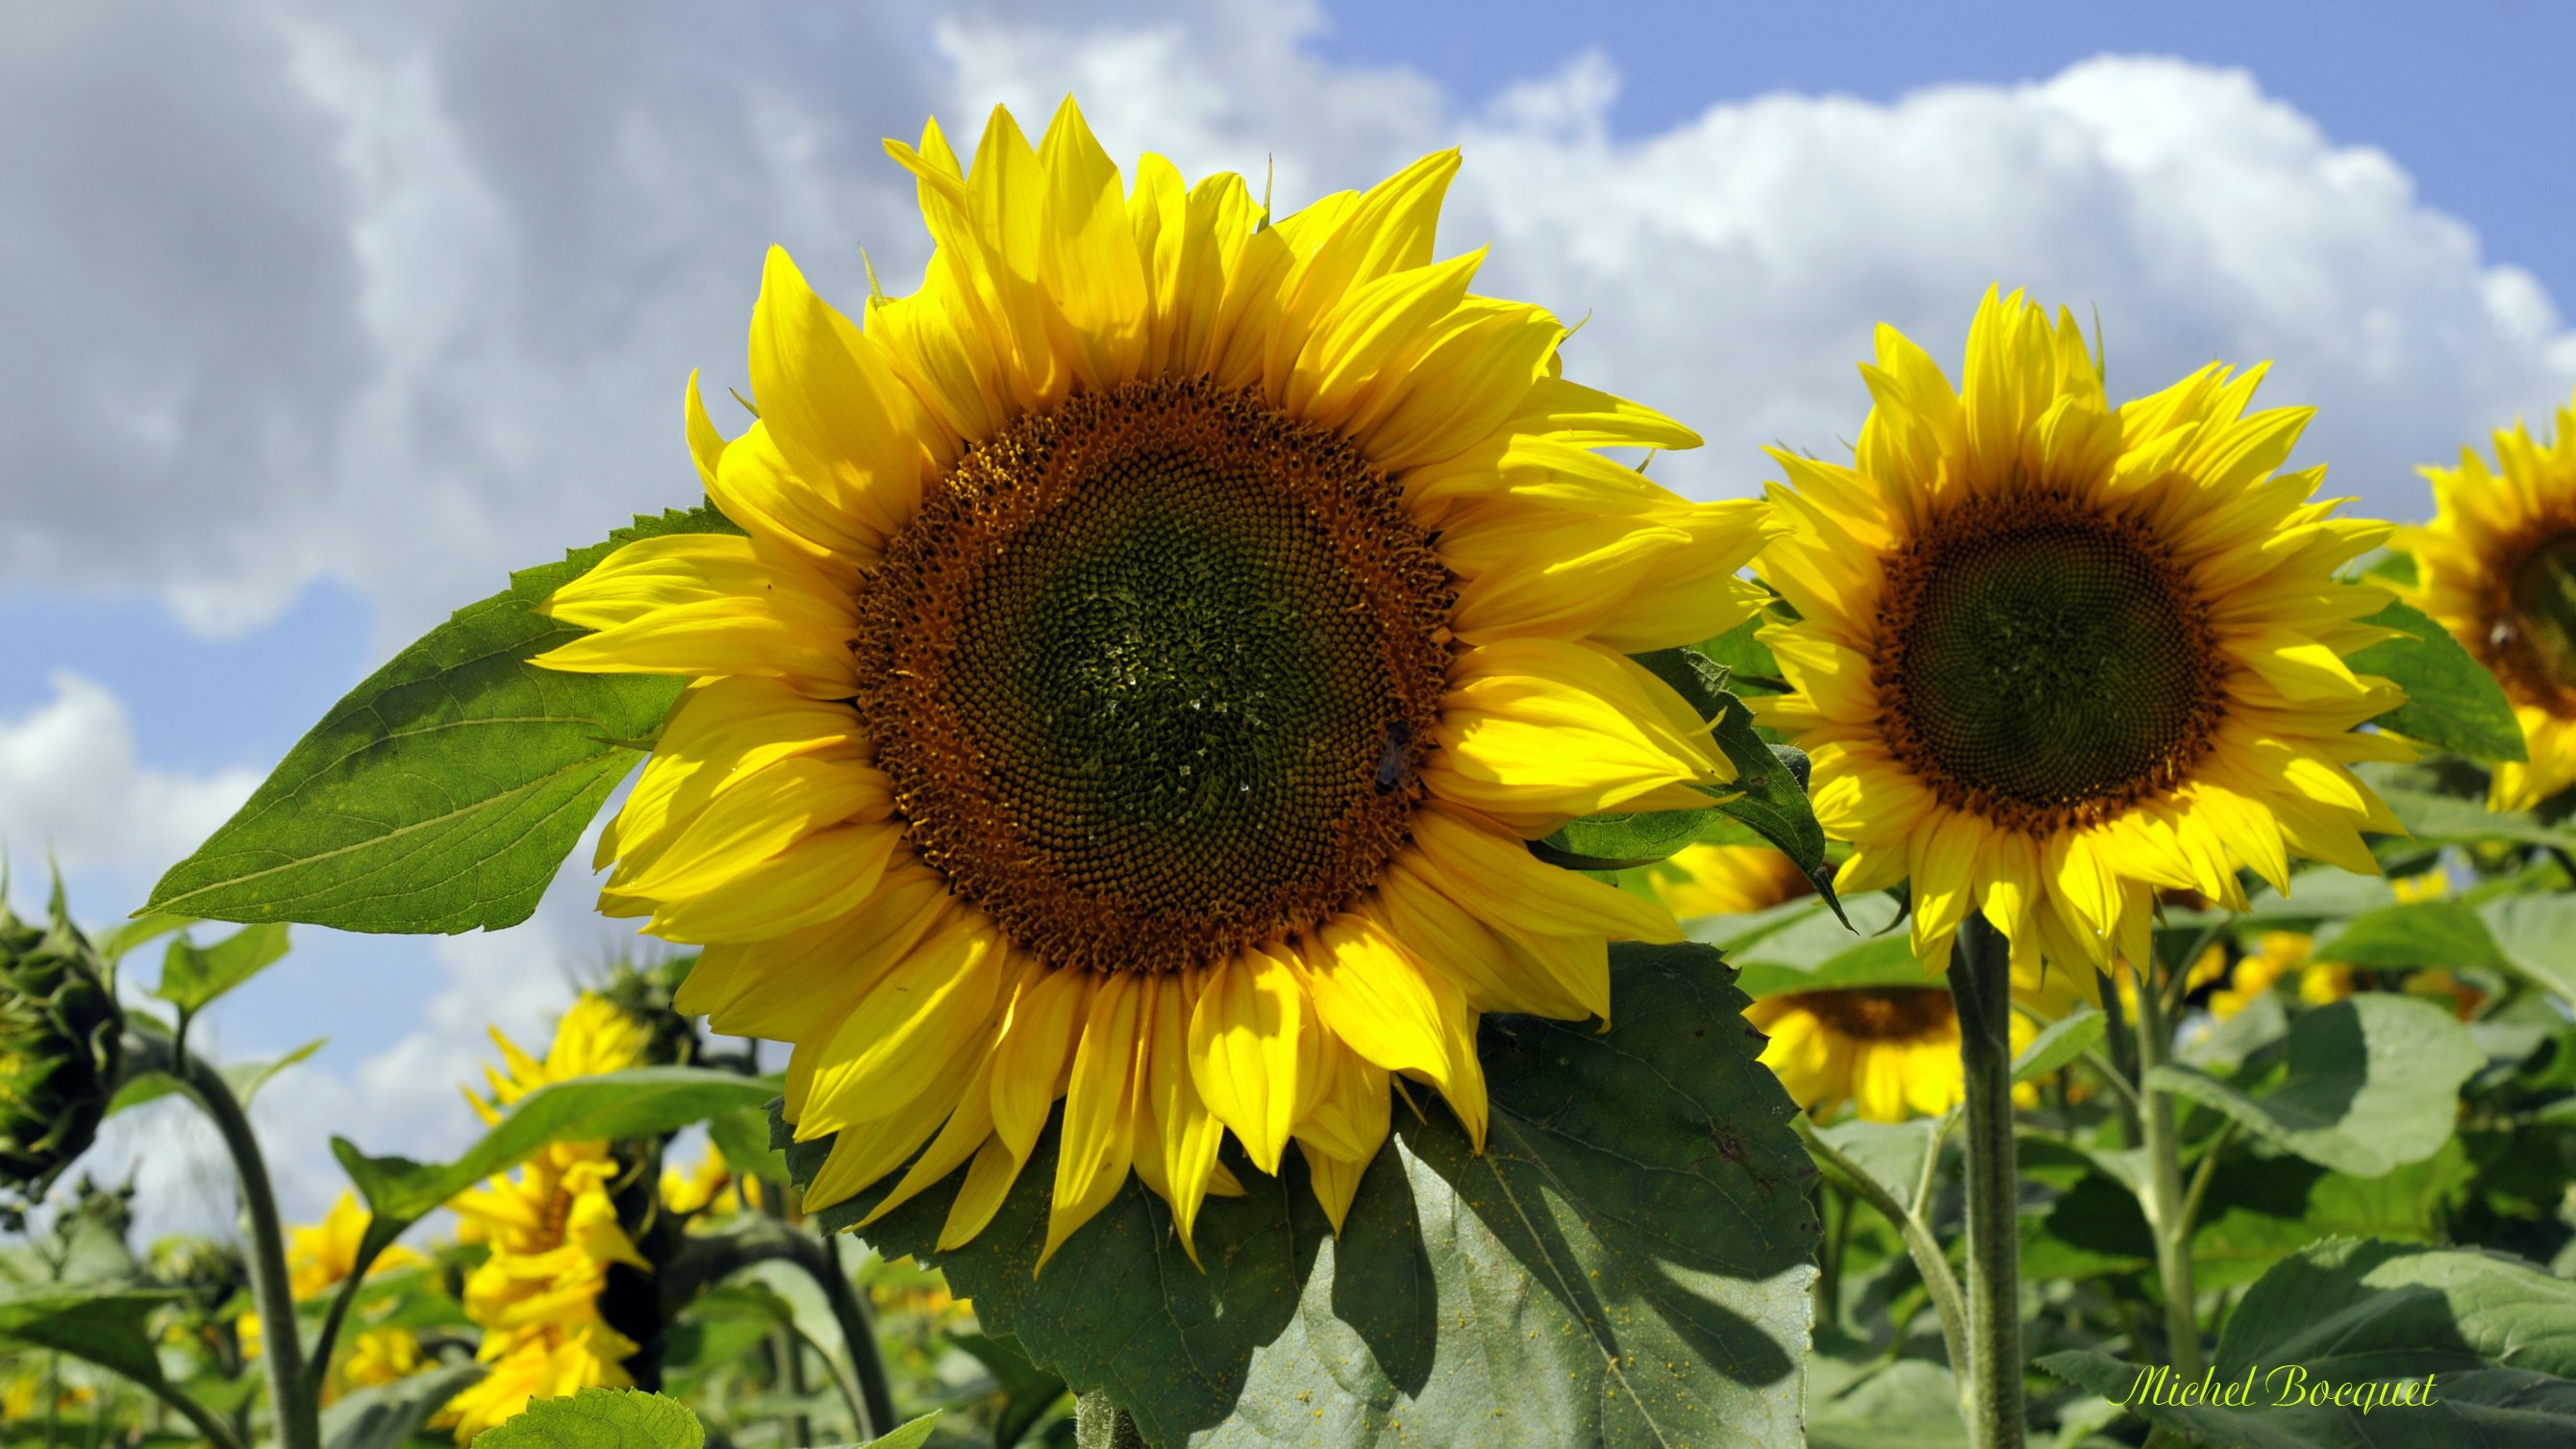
<point x="1135" y="670"/>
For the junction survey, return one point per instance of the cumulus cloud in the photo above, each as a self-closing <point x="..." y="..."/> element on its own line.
<point x="407" y="298"/>
<point x="70" y="783"/>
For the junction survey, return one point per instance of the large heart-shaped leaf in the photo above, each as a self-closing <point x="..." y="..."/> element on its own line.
<point x="2498" y="1334"/>
<point x="2533" y="932"/>
<point x="2372" y="1082"/>
<point x="598" y="1419"/>
<point x="1628" y="1263"/>
<point x="440" y="794"/>
<point x="2418" y="933"/>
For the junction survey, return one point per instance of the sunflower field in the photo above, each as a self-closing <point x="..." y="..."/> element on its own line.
<point x="1236" y="873"/>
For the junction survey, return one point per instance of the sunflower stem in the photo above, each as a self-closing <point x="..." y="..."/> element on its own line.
<point x="1100" y="1424"/>
<point x="1981" y="984"/>
<point x="292" y="1402"/>
<point x="2164" y="1202"/>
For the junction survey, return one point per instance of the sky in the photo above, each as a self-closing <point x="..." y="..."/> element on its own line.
<point x="322" y="318"/>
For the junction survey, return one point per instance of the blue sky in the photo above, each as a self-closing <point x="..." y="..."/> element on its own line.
<point x="333" y="320"/>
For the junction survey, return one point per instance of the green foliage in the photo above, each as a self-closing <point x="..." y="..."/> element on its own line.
<point x="642" y="1102"/>
<point x="2500" y="1336"/>
<point x="1800" y="946"/>
<point x="2452" y="702"/>
<point x="1627" y="1263"/>
<point x="2060" y="1042"/>
<point x="192" y="976"/>
<point x="2370" y="1083"/>
<point x="387" y="1416"/>
<point x="598" y="1419"/>
<point x="2419" y="933"/>
<point x="441" y="794"/>
<point x="102" y="1325"/>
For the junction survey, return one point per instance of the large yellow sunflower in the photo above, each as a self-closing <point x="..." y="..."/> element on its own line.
<point x="2497" y="567"/>
<point x="2053" y="655"/>
<point x="1155" y="640"/>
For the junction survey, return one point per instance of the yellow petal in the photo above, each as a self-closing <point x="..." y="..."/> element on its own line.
<point x="1098" y="1141"/>
<point x="1244" y="1051"/>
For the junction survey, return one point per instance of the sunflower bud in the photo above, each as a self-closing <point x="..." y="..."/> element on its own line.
<point x="59" y="1038"/>
<point x="642" y="994"/>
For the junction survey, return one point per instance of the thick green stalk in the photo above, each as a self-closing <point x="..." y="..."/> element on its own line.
<point x="1981" y="984"/>
<point x="2164" y="1199"/>
<point x="292" y="1401"/>
<point x="703" y="1261"/>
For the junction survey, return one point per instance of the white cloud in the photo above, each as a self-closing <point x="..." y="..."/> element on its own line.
<point x="70" y="783"/>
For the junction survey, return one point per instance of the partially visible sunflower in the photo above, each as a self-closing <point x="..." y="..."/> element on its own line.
<point x="2053" y="655"/>
<point x="2497" y="567"/>
<point x="553" y="1232"/>
<point x="1723" y="880"/>
<point x="1153" y="643"/>
<point x="710" y="1187"/>
<point x="1892" y="1051"/>
<point x="320" y="1256"/>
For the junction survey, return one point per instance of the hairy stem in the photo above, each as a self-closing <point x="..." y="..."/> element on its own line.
<point x="1981" y="985"/>
<point x="291" y="1400"/>
<point x="2163" y="1202"/>
<point x="1929" y="1262"/>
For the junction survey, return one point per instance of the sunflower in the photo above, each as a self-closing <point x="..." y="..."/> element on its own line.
<point x="1723" y="880"/>
<point x="553" y="1232"/>
<point x="2497" y="567"/>
<point x="1892" y="1051"/>
<point x="320" y="1256"/>
<point x="2053" y="655"/>
<point x="1154" y="642"/>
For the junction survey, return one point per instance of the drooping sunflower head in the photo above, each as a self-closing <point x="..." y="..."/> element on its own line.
<point x="2053" y="655"/>
<point x="2497" y="567"/>
<point x="1151" y="645"/>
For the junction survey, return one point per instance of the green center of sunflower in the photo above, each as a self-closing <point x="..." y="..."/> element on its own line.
<point x="1151" y="673"/>
<point x="2044" y="664"/>
<point x="2543" y="621"/>
<point x="1881" y="1014"/>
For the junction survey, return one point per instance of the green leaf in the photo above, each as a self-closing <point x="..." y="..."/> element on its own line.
<point x="1622" y="842"/>
<point x="2452" y="702"/>
<point x="1771" y="786"/>
<point x="1628" y="1263"/>
<point x="2497" y="1334"/>
<point x="1029" y="1393"/>
<point x="742" y="1135"/>
<point x="2060" y="1042"/>
<point x="127" y="935"/>
<point x="388" y="1415"/>
<point x="1891" y="1153"/>
<point x="1750" y="666"/>
<point x="598" y="1419"/>
<point x="1815" y="952"/>
<point x="2533" y="933"/>
<point x="2373" y="1081"/>
<point x="1908" y="1404"/>
<point x="907" y="1436"/>
<point x="441" y="794"/>
<point x="192" y="976"/>
<point x="2437" y="819"/>
<point x="105" y="1326"/>
<point x="642" y="1102"/>
<point x="2420" y="933"/>
<point x="246" y="1078"/>
<point x="1770" y="790"/>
